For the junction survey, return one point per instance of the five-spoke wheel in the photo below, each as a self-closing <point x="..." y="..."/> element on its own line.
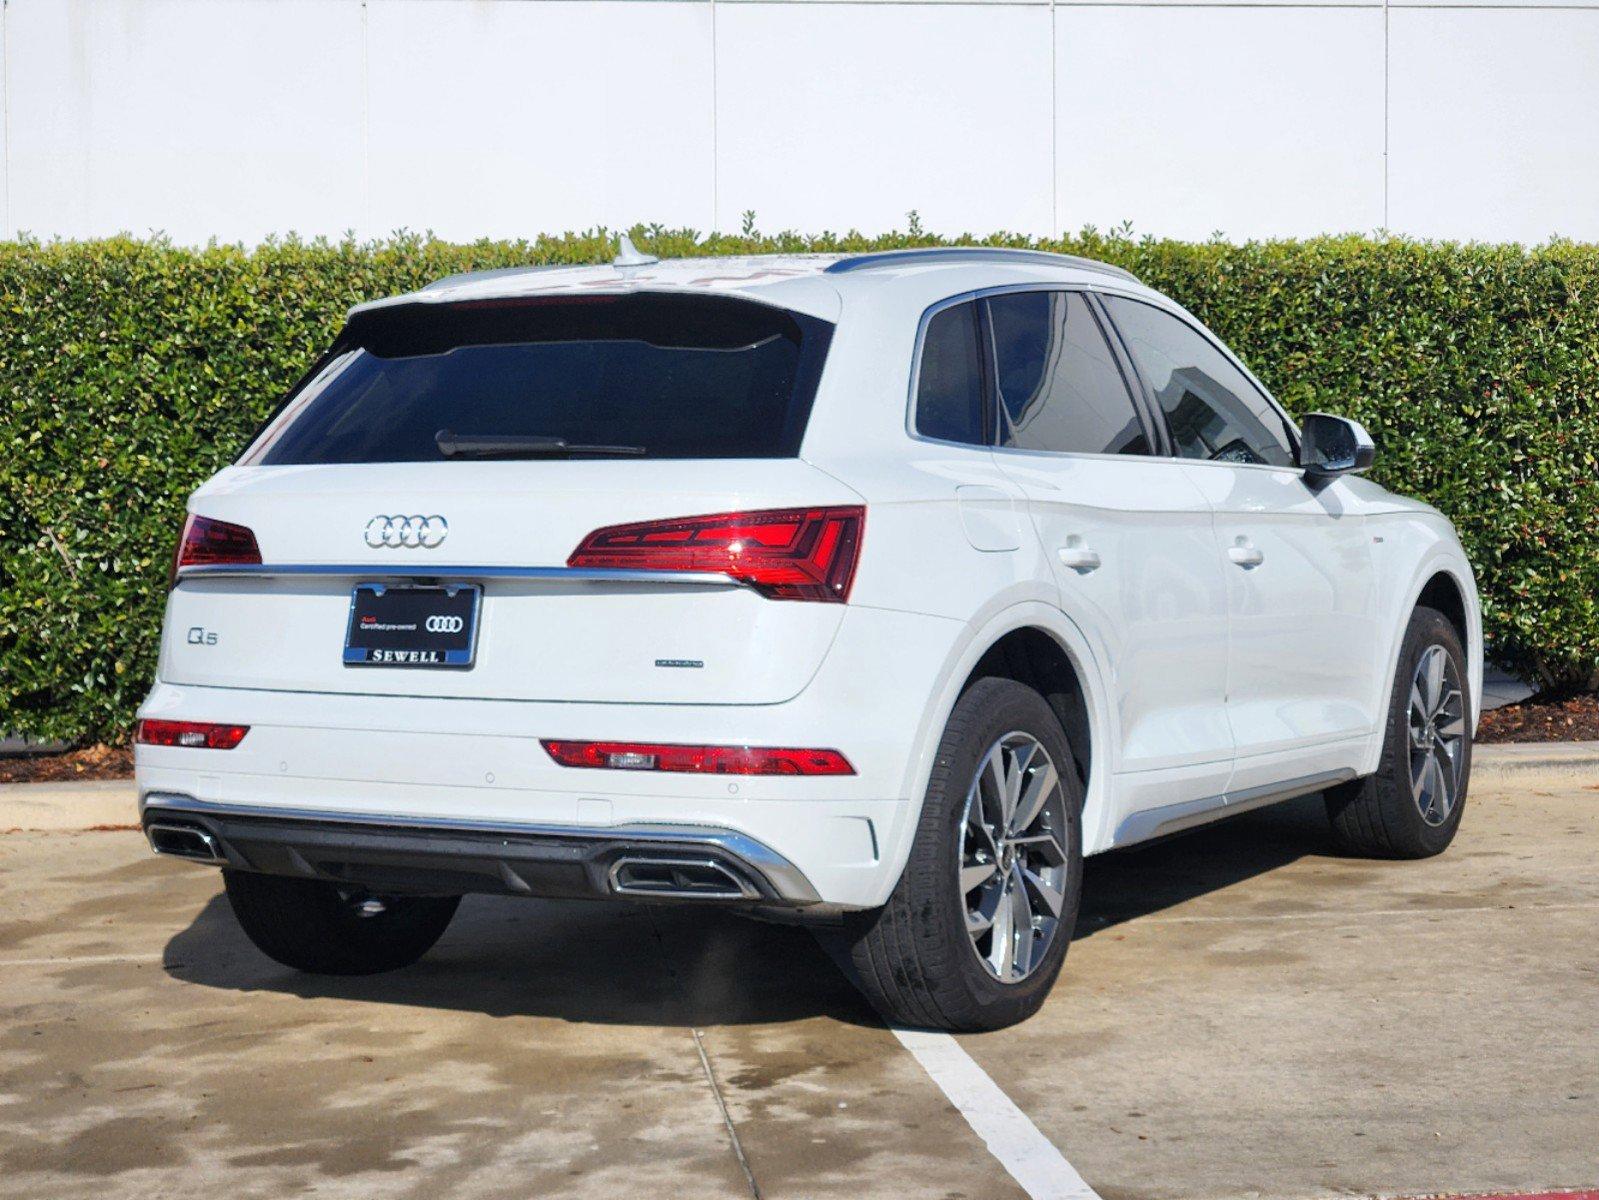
<point x="1410" y="806"/>
<point x="1012" y="862"/>
<point x="1437" y="721"/>
<point x="980" y="920"/>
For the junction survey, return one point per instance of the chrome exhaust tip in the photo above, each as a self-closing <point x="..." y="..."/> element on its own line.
<point x="679" y="879"/>
<point x="184" y="841"/>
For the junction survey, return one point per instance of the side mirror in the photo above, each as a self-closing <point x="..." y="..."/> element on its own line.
<point x="1330" y="446"/>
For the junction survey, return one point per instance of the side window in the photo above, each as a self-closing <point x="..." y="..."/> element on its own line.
<point x="1059" y="387"/>
<point x="949" y="384"/>
<point x="1213" y="409"/>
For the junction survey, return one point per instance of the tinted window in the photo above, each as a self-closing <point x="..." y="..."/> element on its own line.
<point x="949" y="384"/>
<point x="680" y="377"/>
<point x="1059" y="386"/>
<point x="1213" y="409"/>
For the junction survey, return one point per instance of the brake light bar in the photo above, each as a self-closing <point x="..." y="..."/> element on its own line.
<point x="200" y="735"/>
<point x="783" y="553"/>
<point x="700" y="760"/>
<point x="208" y="542"/>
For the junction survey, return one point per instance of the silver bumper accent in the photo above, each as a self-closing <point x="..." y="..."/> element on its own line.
<point x="786" y="880"/>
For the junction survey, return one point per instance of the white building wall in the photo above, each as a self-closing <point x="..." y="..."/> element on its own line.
<point x="237" y="119"/>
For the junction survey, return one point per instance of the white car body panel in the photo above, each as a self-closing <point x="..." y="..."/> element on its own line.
<point x="537" y="640"/>
<point x="1203" y="681"/>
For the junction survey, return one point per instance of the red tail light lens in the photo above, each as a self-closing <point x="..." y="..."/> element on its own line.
<point x="785" y="554"/>
<point x="208" y="542"/>
<point x="700" y="760"/>
<point x="201" y="735"/>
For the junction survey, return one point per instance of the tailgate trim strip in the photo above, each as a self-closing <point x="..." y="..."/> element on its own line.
<point x="429" y="571"/>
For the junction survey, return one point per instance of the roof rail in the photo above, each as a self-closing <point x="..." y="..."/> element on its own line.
<point x="895" y="258"/>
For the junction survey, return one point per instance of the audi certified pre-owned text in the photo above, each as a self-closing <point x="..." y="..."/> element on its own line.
<point x="869" y="590"/>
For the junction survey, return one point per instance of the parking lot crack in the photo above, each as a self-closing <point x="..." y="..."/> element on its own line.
<point x="727" y="1118"/>
<point x="705" y="1063"/>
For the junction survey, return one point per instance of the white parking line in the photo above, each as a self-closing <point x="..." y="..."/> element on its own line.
<point x="1011" y="1137"/>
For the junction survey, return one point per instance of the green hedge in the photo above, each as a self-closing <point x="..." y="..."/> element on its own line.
<point x="129" y="371"/>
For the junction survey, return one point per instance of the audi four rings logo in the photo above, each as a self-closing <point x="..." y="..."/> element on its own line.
<point x="445" y="624"/>
<point x="410" y="533"/>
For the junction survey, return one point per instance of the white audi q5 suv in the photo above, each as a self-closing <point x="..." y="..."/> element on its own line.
<point x="875" y="590"/>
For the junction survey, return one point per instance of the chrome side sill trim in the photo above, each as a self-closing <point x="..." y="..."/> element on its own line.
<point x="787" y="880"/>
<point x="1173" y="818"/>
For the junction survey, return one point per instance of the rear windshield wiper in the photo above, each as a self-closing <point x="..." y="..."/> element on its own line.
<point x="515" y="445"/>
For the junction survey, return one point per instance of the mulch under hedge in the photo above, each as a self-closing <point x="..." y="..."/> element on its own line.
<point x="95" y="762"/>
<point x="1572" y="720"/>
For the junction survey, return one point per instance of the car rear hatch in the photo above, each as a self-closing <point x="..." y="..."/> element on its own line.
<point x="472" y="451"/>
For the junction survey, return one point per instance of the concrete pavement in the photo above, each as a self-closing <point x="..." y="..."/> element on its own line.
<point x="1244" y="1013"/>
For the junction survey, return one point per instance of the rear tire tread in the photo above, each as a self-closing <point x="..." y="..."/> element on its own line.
<point x="909" y="964"/>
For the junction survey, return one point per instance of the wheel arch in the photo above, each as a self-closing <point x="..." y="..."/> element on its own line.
<point x="998" y="641"/>
<point x="1032" y="656"/>
<point x="1443" y="581"/>
<point x="1444" y="593"/>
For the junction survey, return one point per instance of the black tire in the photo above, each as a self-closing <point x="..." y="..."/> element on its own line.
<point x="1379" y="816"/>
<point x="319" y="927"/>
<point x="915" y="960"/>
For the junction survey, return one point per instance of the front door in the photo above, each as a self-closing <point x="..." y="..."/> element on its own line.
<point x="1297" y="559"/>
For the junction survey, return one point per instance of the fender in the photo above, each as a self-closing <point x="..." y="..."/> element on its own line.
<point x="1439" y="558"/>
<point x="957" y="667"/>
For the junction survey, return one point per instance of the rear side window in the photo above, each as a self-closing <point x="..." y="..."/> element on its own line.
<point x="1214" y="411"/>
<point x="652" y="376"/>
<point x="1060" y="389"/>
<point x="949" y="379"/>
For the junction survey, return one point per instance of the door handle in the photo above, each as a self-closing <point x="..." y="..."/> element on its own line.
<point x="1079" y="557"/>
<point x="1245" y="554"/>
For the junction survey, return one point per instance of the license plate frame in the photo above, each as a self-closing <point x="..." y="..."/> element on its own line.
<point x="388" y="626"/>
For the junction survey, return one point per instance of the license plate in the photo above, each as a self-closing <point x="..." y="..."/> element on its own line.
<point x="412" y="626"/>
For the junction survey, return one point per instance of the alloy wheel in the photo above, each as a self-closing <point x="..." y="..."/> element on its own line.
<point x="1013" y="866"/>
<point x="1437" y="721"/>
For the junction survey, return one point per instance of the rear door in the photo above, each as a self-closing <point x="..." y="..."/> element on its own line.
<point x="1297" y="559"/>
<point x="1130" y="538"/>
<point x="423" y="452"/>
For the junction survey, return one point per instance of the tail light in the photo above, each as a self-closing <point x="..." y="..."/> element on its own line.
<point x="208" y="542"/>
<point x="700" y="760"/>
<point x="785" y="554"/>
<point x="200" y="735"/>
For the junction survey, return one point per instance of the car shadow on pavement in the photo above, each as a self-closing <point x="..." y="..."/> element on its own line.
<point x="608" y="962"/>
<point x="603" y="962"/>
<point x="1143" y="880"/>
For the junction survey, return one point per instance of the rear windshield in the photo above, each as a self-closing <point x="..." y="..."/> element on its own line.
<point x="654" y="376"/>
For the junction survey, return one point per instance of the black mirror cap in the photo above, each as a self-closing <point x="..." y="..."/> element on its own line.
<point x="1330" y="446"/>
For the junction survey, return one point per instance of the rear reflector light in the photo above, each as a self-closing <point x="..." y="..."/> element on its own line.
<point x="785" y="554"/>
<point x="207" y="542"/>
<point x="702" y="760"/>
<point x="203" y="735"/>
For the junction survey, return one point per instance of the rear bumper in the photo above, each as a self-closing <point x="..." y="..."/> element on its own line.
<point x="434" y="856"/>
<point x="438" y="761"/>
